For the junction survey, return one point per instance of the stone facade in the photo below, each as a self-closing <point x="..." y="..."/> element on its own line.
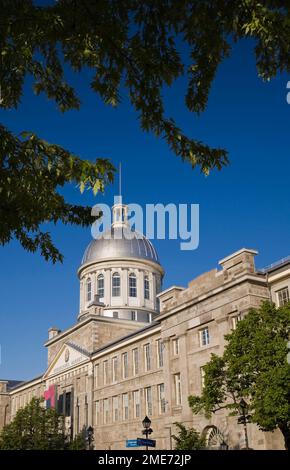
<point x="112" y="372"/>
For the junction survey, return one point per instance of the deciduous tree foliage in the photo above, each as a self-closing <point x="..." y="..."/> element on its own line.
<point x="38" y="428"/>
<point x="34" y="428"/>
<point x="134" y="49"/>
<point x="31" y="173"/>
<point x="254" y="366"/>
<point x="188" y="439"/>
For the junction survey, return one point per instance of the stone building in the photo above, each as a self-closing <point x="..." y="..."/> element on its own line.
<point x="137" y="350"/>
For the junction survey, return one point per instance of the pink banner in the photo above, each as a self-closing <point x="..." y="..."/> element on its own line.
<point x="49" y="396"/>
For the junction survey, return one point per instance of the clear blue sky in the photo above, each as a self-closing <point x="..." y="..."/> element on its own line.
<point x="246" y="204"/>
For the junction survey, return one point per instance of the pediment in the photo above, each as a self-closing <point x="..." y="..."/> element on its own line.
<point x="68" y="356"/>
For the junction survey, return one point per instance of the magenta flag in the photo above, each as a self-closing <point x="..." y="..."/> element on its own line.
<point x="49" y="396"/>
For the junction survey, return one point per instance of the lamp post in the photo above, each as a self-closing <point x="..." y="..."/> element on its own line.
<point x="244" y="419"/>
<point x="147" y="429"/>
<point x="89" y="436"/>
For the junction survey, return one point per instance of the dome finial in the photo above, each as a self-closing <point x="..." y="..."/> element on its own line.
<point x="120" y="210"/>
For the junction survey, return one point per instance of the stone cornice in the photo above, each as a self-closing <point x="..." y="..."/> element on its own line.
<point x="88" y="319"/>
<point x="200" y="298"/>
<point x="124" y="341"/>
<point x="23" y="386"/>
<point x="111" y="262"/>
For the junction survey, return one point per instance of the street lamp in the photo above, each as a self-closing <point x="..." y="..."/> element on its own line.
<point x="244" y="419"/>
<point x="90" y="436"/>
<point x="147" y="429"/>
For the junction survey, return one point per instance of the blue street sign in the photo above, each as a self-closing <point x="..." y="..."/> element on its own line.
<point x="146" y="442"/>
<point x="132" y="443"/>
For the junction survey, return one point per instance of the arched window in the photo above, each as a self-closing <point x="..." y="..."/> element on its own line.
<point x="89" y="289"/>
<point x="146" y="288"/>
<point x="116" y="285"/>
<point x="132" y="285"/>
<point x="100" y="285"/>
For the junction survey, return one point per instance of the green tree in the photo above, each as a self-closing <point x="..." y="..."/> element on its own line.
<point x="79" y="441"/>
<point x="34" y="428"/>
<point x="188" y="439"/>
<point x="31" y="174"/>
<point x="254" y="366"/>
<point x="134" y="49"/>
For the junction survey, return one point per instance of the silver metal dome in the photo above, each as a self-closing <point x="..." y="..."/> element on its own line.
<point x="120" y="242"/>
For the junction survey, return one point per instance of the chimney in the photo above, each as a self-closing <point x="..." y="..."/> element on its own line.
<point x="52" y="332"/>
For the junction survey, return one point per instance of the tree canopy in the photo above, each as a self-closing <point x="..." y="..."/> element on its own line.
<point x="38" y="428"/>
<point x="188" y="439"/>
<point x="135" y="50"/>
<point x="34" y="428"/>
<point x="254" y="366"/>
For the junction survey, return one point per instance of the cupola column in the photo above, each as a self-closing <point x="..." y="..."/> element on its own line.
<point x="140" y="286"/>
<point x="107" y="279"/>
<point x="124" y="284"/>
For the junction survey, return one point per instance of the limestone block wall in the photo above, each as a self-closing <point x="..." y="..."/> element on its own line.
<point x="22" y="395"/>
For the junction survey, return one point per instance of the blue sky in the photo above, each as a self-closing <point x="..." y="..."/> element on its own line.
<point x="246" y="204"/>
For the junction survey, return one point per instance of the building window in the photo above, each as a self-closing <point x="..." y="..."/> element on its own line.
<point x="89" y="289"/>
<point x="177" y="387"/>
<point x="59" y="404"/>
<point x="114" y="368"/>
<point x="204" y="336"/>
<point x="283" y="296"/>
<point x="148" y="401"/>
<point x="116" y="285"/>
<point x="115" y="314"/>
<point x="98" y="418"/>
<point x="133" y="315"/>
<point x="147" y="356"/>
<point x="135" y="353"/>
<point x="106" y="410"/>
<point x="125" y="406"/>
<point x="115" y="409"/>
<point x="235" y="321"/>
<point x="160" y="347"/>
<point x="125" y="365"/>
<point x="68" y="404"/>
<point x="97" y="370"/>
<point x="136" y="403"/>
<point x="132" y="285"/>
<point x="146" y="288"/>
<point x="100" y="285"/>
<point x="175" y="344"/>
<point x="106" y="372"/>
<point x="202" y="375"/>
<point x="161" y="399"/>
